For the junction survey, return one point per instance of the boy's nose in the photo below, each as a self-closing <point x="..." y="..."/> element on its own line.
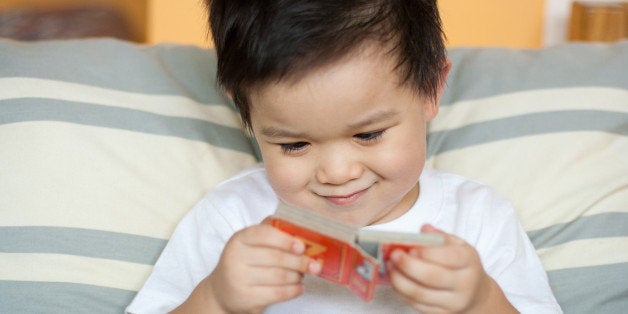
<point x="338" y="168"/>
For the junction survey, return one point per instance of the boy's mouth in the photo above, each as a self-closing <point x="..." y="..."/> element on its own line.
<point x="342" y="200"/>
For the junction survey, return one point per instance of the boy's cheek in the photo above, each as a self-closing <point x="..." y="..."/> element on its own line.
<point x="286" y="178"/>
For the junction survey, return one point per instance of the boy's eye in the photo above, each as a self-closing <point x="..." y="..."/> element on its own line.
<point x="293" y="147"/>
<point x="369" y="136"/>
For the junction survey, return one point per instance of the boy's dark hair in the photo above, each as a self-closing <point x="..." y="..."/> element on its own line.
<point x="258" y="41"/>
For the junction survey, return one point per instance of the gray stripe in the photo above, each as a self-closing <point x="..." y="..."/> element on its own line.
<point x="526" y="125"/>
<point x="190" y="71"/>
<point x="37" y="109"/>
<point x="156" y="69"/>
<point x="595" y="289"/>
<point x="81" y="242"/>
<point x="62" y="298"/>
<point x="483" y="72"/>
<point x="604" y="225"/>
<point x="599" y="289"/>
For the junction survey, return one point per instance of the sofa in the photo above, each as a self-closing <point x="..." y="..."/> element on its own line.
<point x="106" y="144"/>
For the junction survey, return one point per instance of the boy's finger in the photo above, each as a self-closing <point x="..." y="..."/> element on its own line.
<point x="449" y="238"/>
<point x="275" y="276"/>
<point x="454" y="253"/>
<point x="274" y="294"/>
<point x="267" y="220"/>
<point x="265" y="296"/>
<point x="421" y="272"/>
<point x="267" y="236"/>
<point x="449" y="256"/>
<point x="417" y="293"/>
<point x="427" y="228"/>
<point x="270" y="257"/>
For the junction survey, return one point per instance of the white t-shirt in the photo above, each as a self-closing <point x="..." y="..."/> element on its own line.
<point x="451" y="203"/>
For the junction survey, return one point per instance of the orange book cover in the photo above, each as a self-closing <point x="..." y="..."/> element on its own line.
<point x="349" y="256"/>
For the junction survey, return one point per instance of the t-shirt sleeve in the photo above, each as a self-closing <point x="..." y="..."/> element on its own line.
<point x="197" y="242"/>
<point x="509" y="257"/>
<point x="185" y="261"/>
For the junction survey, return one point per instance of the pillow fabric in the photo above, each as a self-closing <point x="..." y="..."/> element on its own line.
<point x="549" y="130"/>
<point x="105" y="146"/>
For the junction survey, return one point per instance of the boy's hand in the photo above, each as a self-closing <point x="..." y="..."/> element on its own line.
<point x="446" y="279"/>
<point x="259" y="266"/>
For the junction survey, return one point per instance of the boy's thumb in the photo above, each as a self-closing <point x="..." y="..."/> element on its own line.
<point x="427" y="228"/>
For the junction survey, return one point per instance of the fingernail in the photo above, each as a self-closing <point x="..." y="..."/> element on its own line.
<point x="415" y="253"/>
<point x="315" y="268"/>
<point x="298" y="247"/>
<point x="395" y="255"/>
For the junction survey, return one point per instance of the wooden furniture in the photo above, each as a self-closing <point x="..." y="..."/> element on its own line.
<point x="65" y="23"/>
<point x="598" y="21"/>
<point x="147" y="21"/>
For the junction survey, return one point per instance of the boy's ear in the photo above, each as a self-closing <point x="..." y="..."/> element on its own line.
<point x="443" y="77"/>
<point x="229" y="94"/>
<point x="434" y="103"/>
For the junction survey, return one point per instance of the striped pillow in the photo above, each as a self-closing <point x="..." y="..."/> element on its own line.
<point x="104" y="146"/>
<point x="549" y="129"/>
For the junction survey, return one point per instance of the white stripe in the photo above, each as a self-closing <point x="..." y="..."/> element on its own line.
<point x="68" y="175"/>
<point x="170" y="105"/>
<point x="583" y="253"/>
<point x="534" y="101"/>
<point x="550" y="178"/>
<point x="73" y="269"/>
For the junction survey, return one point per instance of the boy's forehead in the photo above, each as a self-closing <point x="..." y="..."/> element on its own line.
<point x="368" y="76"/>
<point x="367" y="56"/>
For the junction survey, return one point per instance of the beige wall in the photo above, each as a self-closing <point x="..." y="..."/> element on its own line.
<point x="178" y="21"/>
<point x="511" y="23"/>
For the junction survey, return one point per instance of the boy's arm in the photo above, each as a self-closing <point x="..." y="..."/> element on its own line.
<point x="259" y="266"/>
<point x="448" y="278"/>
<point x="201" y="300"/>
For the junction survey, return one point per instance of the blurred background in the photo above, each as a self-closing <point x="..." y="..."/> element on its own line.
<point x="502" y="23"/>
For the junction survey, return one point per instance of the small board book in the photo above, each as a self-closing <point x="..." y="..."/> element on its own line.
<point x="349" y="256"/>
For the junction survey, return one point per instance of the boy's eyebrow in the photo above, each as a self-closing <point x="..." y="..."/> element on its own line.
<point x="280" y="133"/>
<point x="374" y="118"/>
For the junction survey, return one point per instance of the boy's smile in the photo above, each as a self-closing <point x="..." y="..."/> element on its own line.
<point x="346" y="140"/>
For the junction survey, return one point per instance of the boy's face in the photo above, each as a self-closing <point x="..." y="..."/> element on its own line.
<point x="346" y="141"/>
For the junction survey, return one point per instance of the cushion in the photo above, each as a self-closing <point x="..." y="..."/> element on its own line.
<point x="549" y="130"/>
<point x="105" y="146"/>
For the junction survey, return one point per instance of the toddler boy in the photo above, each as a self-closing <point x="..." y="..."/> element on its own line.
<point x="338" y="95"/>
